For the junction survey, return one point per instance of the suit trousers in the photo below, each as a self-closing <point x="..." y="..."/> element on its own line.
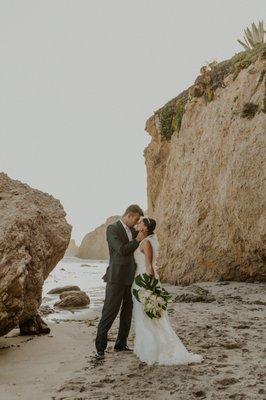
<point x="116" y="295"/>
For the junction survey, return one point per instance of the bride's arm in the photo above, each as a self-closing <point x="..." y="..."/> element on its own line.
<point x="148" y="252"/>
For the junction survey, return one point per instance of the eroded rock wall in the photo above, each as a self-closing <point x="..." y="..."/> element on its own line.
<point x="206" y="184"/>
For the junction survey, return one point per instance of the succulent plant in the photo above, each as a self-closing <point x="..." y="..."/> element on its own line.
<point x="253" y="36"/>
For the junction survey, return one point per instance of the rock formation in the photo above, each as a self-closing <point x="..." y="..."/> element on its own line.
<point x="72" y="249"/>
<point x="62" y="289"/>
<point x="33" y="238"/>
<point x="205" y="174"/>
<point x="94" y="245"/>
<point x="71" y="299"/>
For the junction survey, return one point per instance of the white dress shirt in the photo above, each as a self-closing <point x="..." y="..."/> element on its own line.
<point x="128" y="231"/>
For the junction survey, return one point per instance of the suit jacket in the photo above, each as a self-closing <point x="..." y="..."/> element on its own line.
<point x="122" y="266"/>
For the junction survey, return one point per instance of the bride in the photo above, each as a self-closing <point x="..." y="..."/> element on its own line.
<point x="155" y="340"/>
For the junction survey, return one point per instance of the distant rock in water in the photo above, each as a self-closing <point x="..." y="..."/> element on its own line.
<point x="94" y="244"/>
<point x="34" y="236"/>
<point x="62" y="289"/>
<point x="72" y="249"/>
<point x="205" y="166"/>
<point x="86" y="266"/>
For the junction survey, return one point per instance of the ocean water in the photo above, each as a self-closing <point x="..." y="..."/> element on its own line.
<point x="87" y="274"/>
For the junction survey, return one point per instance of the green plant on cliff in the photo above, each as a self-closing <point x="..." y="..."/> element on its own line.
<point x="249" y="110"/>
<point x="166" y="118"/>
<point x="170" y="116"/>
<point x="212" y="77"/>
<point x="209" y="95"/>
<point x="253" y="36"/>
<point x="242" y="60"/>
<point x="178" y="114"/>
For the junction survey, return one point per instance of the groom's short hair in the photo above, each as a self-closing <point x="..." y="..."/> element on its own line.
<point x="135" y="209"/>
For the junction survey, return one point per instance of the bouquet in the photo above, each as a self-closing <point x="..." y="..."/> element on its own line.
<point x="151" y="295"/>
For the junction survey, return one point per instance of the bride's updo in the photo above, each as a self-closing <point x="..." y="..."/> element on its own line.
<point x="150" y="224"/>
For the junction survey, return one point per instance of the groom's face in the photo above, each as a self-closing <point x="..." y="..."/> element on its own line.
<point x="132" y="219"/>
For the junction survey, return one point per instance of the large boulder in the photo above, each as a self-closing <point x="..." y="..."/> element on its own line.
<point x="205" y="168"/>
<point x="94" y="245"/>
<point x="34" y="235"/>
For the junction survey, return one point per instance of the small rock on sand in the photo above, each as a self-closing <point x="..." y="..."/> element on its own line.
<point x="194" y="294"/>
<point x="73" y="299"/>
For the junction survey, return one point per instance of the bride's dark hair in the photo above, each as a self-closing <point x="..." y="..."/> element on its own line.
<point x="150" y="223"/>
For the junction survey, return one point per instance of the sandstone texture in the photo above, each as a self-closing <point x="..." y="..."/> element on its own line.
<point x="206" y="175"/>
<point x="34" y="236"/>
<point x="94" y="244"/>
<point x="72" y="249"/>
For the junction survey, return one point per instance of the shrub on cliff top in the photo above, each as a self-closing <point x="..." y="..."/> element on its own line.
<point x="171" y="114"/>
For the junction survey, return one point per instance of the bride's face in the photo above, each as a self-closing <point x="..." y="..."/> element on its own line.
<point x="141" y="227"/>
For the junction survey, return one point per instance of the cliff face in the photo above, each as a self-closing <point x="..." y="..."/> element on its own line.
<point x="34" y="235"/>
<point x="205" y="175"/>
<point x="94" y="244"/>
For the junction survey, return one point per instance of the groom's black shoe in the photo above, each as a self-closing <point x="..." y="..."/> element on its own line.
<point x="123" y="348"/>
<point x="100" y="355"/>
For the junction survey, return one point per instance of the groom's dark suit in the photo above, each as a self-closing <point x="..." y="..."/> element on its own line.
<point x="119" y="277"/>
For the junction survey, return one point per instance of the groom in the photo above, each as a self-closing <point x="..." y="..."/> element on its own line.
<point x="122" y="240"/>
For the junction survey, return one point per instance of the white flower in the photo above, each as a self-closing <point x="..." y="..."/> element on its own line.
<point x="153" y="298"/>
<point x="160" y="301"/>
<point x="144" y="294"/>
<point x="148" y="306"/>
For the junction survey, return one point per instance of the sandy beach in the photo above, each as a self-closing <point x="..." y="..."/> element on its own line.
<point x="34" y="367"/>
<point x="224" y="324"/>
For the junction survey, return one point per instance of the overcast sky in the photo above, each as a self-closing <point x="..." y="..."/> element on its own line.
<point x="79" y="78"/>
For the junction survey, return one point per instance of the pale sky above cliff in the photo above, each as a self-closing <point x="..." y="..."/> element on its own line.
<point x="78" y="79"/>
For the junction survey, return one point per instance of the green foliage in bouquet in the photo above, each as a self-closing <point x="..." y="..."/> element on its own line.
<point x="151" y="295"/>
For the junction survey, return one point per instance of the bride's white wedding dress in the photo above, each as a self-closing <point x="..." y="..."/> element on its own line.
<point x="155" y="340"/>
